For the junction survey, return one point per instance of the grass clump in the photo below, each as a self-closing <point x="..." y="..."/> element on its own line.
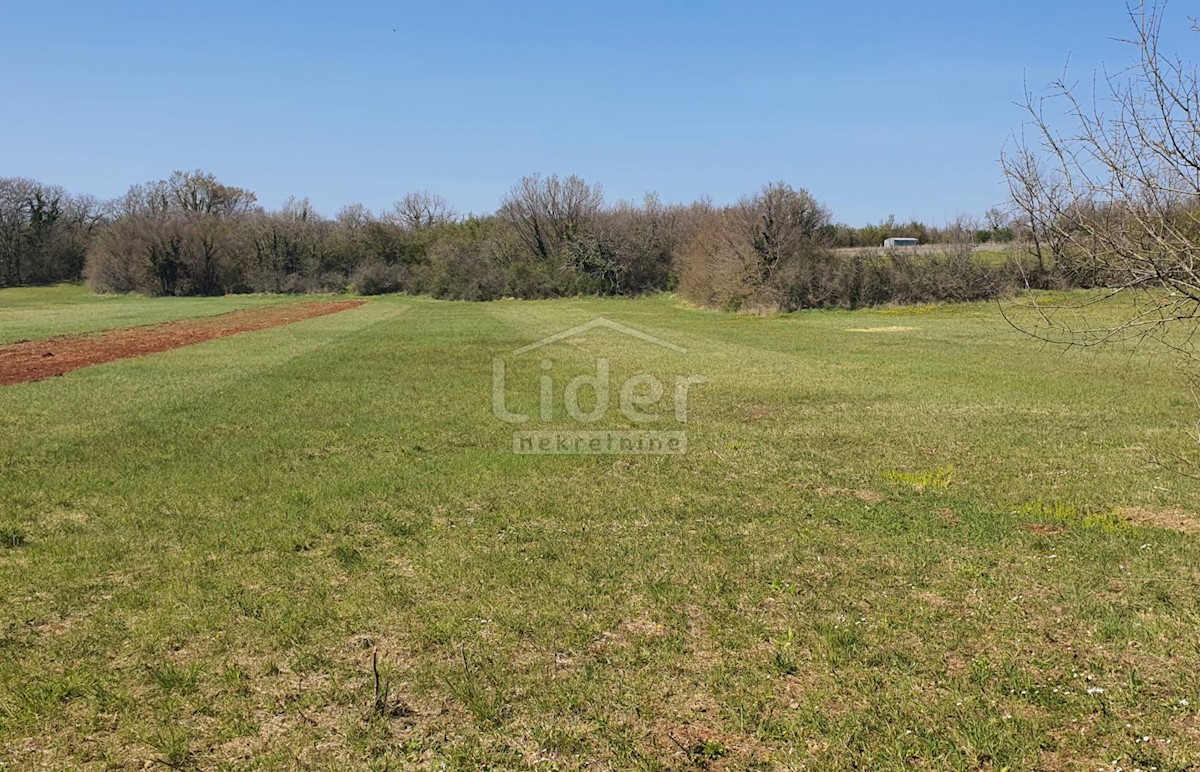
<point x="936" y="480"/>
<point x="11" y="538"/>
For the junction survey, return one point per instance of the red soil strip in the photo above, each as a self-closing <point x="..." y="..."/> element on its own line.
<point x="37" y="359"/>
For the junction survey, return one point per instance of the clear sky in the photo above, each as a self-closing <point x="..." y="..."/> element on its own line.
<point x="878" y="107"/>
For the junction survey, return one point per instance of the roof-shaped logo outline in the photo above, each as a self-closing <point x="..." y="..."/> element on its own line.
<point x="600" y="321"/>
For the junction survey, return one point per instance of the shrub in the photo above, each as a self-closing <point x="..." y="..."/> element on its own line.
<point x="462" y="271"/>
<point x="378" y="278"/>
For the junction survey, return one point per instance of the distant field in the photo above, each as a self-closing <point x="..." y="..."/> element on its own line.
<point x="900" y="537"/>
<point x="988" y="251"/>
<point x="30" y="313"/>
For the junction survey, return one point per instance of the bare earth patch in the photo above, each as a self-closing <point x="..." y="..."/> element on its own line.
<point x="1043" y="530"/>
<point x="38" y="359"/>
<point x="1171" y="519"/>
<point x="881" y="329"/>
<point x="760" y="411"/>
<point x="866" y="496"/>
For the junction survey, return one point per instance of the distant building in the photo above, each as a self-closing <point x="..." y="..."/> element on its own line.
<point x="899" y="242"/>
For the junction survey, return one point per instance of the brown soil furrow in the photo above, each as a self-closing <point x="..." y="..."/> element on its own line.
<point x="37" y="359"/>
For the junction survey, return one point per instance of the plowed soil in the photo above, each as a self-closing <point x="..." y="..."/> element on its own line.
<point x="38" y="359"/>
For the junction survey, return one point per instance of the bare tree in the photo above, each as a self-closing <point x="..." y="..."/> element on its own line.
<point x="1114" y="196"/>
<point x="298" y="209"/>
<point x="996" y="219"/>
<point x="354" y="216"/>
<point x="548" y="213"/>
<point x="420" y="211"/>
<point x="202" y="193"/>
<point x="1036" y="198"/>
<point x="782" y="223"/>
<point x="959" y="237"/>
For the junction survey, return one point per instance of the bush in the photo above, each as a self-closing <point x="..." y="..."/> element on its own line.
<point x="463" y="271"/>
<point x="378" y="278"/>
<point x="116" y="261"/>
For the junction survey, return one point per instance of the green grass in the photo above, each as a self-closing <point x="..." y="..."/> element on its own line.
<point x="882" y="549"/>
<point x="32" y="313"/>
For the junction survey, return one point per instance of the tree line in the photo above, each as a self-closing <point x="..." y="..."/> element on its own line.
<point x="45" y="232"/>
<point x="191" y="234"/>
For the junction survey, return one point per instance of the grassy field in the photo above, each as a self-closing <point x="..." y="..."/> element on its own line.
<point x="906" y="537"/>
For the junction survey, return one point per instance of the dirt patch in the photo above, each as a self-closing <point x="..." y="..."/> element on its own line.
<point x="933" y="599"/>
<point x="1043" y="530"/>
<point x="38" y="359"/>
<point x="881" y="329"/>
<point x="1171" y="519"/>
<point x="868" y="497"/>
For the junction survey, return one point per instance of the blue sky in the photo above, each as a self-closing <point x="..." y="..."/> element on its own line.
<point x="877" y="107"/>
